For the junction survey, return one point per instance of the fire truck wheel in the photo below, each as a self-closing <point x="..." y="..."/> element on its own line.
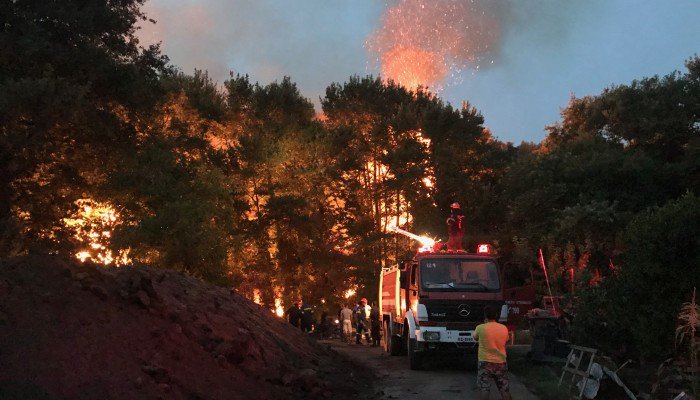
<point x="392" y="344"/>
<point x="414" y="359"/>
<point x="387" y="338"/>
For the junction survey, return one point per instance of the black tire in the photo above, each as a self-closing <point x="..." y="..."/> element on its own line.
<point x="387" y="338"/>
<point x="392" y="343"/>
<point x="415" y="360"/>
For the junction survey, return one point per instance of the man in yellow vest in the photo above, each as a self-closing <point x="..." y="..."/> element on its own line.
<point x="492" y="337"/>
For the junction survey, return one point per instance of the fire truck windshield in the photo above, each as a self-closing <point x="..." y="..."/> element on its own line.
<point x="459" y="274"/>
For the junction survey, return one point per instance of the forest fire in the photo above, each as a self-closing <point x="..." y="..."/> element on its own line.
<point x="93" y="224"/>
<point x="422" y="43"/>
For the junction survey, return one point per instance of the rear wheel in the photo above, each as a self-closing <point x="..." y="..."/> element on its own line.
<point x="415" y="359"/>
<point x="387" y="337"/>
<point x="392" y="343"/>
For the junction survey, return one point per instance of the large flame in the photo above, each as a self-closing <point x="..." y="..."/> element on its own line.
<point x="421" y="43"/>
<point x="93" y="224"/>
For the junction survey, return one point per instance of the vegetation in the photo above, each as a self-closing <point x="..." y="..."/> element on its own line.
<point x="243" y="185"/>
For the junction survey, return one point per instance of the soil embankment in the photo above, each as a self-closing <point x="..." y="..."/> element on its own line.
<point x="74" y="331"/>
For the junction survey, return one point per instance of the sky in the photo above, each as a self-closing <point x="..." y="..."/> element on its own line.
<point x="517" y="61"/>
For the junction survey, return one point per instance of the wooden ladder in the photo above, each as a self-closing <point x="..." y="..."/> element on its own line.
<point x="573" y="365"/>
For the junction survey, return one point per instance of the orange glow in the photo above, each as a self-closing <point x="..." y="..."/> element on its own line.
<point x="427" y="244"/>
<point x="257" y="296"/>
<point x="412" y="67"/>
<point x="93" y="224"/>
<point x="349" y="293"/>
<point x="425" y="42"/>
<point x="279" y="310"/>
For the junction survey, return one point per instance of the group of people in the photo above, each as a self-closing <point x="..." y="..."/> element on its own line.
<point x="301" y="315"/>
<point x="366" y="320"/>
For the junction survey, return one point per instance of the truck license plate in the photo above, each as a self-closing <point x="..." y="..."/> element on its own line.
<point x="465" y="339"/>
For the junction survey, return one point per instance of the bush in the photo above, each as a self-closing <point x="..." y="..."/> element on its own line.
<point x="633" y="313"/>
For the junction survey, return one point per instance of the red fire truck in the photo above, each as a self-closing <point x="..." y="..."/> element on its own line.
<point x="432" y="304"/>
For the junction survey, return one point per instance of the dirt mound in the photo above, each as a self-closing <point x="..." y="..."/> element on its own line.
<point x="72" y="331"/>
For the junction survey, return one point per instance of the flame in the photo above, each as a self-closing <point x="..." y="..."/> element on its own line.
<point x="279" y="310"/>
<point x="93" y="224"/>
<point x="257" y="296"/>
<point x="349" y="293"/>
<point x="412" y="67"/>
<point x="421" y="43"/>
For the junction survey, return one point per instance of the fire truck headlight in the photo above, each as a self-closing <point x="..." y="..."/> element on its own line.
<point x="431" y="336"/>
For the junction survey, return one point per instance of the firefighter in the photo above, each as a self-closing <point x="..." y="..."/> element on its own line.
<point x="294" y="314"/>
<point x="307" y="318"/>
<point x="368" y="313"/>
<point x="455" y="228"/>
<point x="360" y="322"/>
<point x="374" y="325"/>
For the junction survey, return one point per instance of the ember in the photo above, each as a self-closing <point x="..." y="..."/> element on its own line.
<point x="422" y="43"/>
<point x="93" y="224"/>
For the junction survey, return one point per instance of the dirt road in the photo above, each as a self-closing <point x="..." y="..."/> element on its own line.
<point x="440" y="380"/>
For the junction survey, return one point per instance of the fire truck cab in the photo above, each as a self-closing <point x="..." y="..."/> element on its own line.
<point x="433" y="303"/>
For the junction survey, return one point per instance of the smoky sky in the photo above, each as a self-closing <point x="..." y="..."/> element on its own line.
<point x="501" y="55"/>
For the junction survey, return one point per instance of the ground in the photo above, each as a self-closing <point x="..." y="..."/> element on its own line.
<point x="440" y="380"/>
<point x="80" y="331"/>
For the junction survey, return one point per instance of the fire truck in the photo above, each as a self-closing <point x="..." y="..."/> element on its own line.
<point x="432" y="304"/>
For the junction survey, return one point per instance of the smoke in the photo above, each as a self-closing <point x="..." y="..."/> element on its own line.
<point x="433" y="43"/>
<point x="316" y="42"/>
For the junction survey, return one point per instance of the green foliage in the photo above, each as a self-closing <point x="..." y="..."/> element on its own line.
<point x="633" y="312"/>
<point x="74" y="83"/>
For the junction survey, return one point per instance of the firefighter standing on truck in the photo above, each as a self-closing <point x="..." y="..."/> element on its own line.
<point x="455" y="228"/>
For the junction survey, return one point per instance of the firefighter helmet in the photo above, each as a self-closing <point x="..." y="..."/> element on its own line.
<point x="455" y="205"/>
<point x="363" y="300"/>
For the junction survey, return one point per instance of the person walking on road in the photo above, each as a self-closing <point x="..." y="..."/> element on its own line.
<point x="492" y="337"/>
<point x="345" y="318"/>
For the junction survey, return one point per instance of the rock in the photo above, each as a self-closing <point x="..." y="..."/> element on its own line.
<point x="221" y="359"/>
<point x="159" y="374"/>
<point x="142" y="298"/>
<point x="99" y="291"/>
<point x="307" y="379"/>
<point x="289" y="378"/>
<point x="81" y="276"/>
<point x="5" y="288"/>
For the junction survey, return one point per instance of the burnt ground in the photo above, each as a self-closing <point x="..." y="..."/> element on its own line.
<point x="81" y="331"/>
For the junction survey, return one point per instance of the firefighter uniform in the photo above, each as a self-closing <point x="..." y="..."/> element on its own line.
<point x="307" y="318"/>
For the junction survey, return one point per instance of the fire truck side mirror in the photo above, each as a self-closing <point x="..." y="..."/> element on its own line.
<point x="402" y="265"/>
<point x="403" y="279"/>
